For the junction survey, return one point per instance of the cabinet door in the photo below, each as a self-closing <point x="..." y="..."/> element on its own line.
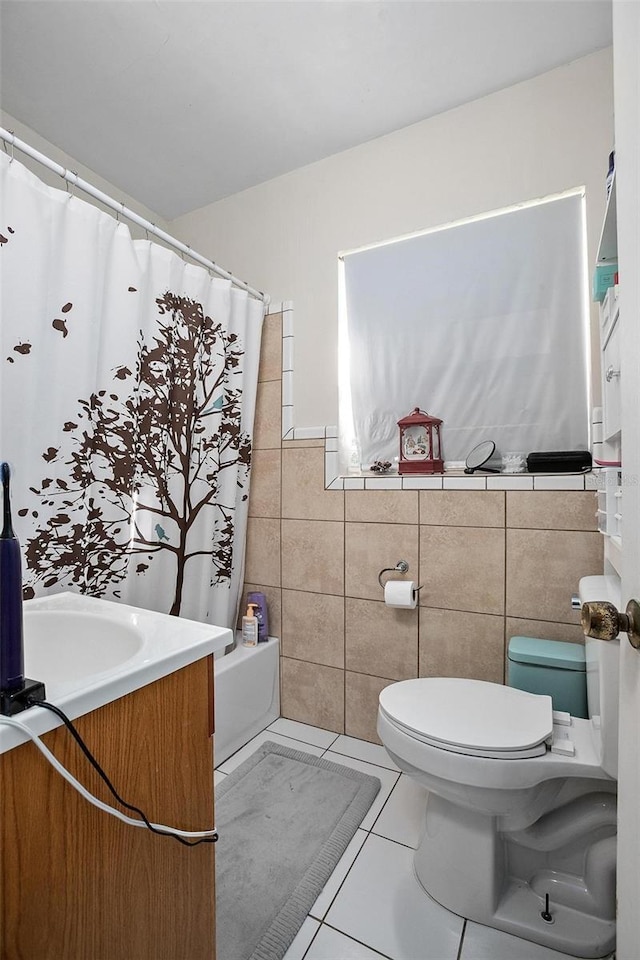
<point x="81" y="885"/>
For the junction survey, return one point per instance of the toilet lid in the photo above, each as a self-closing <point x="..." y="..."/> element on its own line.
<point x="470" y="716"/>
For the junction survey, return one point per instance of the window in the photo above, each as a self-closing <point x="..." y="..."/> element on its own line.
<point x="483" y="323"/>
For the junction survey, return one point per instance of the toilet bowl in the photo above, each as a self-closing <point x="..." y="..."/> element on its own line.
<point x="521" y="800"/>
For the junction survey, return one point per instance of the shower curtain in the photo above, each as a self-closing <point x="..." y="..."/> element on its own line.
<point x="127" y="396"/>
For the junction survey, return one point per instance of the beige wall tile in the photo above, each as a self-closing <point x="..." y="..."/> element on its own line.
<point x="271" y="348"/>
<point x="552" y="509"/>
<point x="313" y="627"/>
<point x="361" y="705"/>
<point x="303" y="494"/>
<point x="546" y="629"/>
<point x="369" y="548"/>
<point x="313" y="556"/>
<point x="264" y="492"/>
<point x="262" y="562"/>
<point x="543" y="570"/>
<point x="382" y="506"/>
<point x="462" y="568"/>
<point x="381" y="640"/>
<point x="267" y="430"/>
<point x="340" y="644"/>
<point x="462" y="508"/>
<point x="274" y="606"/>
<point x="454" y="644"/>
<point x="312" y="693"/>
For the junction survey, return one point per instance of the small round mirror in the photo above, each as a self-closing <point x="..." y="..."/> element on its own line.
<point x="480" y="455"/>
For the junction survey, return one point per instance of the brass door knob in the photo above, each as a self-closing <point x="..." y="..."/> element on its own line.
<point x="603" y="621"/>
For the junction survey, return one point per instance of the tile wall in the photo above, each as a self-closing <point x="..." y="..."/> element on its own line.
<point x="492" y="564"/>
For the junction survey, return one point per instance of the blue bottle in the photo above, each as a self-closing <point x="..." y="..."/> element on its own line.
<point x="11" y="639"/>
<point x="260" y="602"/>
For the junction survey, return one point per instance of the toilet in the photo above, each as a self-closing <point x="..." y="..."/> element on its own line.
<point x="520" y="827"/>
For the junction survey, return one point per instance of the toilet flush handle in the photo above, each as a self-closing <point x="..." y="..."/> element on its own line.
<point x="603" y="621"/>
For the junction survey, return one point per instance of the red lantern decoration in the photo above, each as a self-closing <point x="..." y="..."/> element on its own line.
<point x="420" y="444"/>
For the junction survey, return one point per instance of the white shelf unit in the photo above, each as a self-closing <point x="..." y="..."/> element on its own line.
<point x="608" y="438"/>
<point x="609" y="507"/>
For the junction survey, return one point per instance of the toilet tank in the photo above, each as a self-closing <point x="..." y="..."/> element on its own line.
<point x="550" y="667"/>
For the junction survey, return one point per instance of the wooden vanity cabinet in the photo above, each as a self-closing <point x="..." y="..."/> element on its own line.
<point x="77" y="884"/>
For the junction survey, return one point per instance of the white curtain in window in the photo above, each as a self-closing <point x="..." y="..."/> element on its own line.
<point x="483" y="324"/>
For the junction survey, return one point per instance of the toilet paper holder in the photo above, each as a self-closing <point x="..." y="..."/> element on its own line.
<point x="401" y="567"/>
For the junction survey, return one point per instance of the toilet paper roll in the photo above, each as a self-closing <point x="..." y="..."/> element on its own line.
<point x="400" y="593"/>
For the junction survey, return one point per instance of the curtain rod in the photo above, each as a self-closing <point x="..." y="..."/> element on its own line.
<point x="9" y="137"/>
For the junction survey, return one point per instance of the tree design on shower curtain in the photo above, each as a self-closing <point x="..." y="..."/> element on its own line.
<point x="147" y="461"/>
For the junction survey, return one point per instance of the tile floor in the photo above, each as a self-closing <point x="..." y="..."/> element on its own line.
<point x="372" y="907"/>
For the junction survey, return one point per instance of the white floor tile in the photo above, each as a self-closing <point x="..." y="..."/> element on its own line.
<point x="403" y="816"/>
<point x="486" y="943"/>
<point x="382" y="905"/>
<point x="342" y="868"/>
<point x="372" y="895"/>
<point x="302" y="940"/>
<point x="218" y="777"/>
<point x="229" y="765"/>
<point x="331" y="945"/>
<point x="303" y="732"/>
<point x="386" y="777"/>
<point x="363" y="750"/>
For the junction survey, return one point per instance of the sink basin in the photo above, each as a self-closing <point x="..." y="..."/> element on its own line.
<point x="89" y="652"/>
<point x="63" y="643"/>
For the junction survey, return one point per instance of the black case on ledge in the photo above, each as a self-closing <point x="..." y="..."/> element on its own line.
<point x="559" y="461"/>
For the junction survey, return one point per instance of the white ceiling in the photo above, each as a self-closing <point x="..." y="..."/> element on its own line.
<point x="182" y="103"/>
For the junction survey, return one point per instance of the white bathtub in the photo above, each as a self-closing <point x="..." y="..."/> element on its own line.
<point x="246" y="694"/>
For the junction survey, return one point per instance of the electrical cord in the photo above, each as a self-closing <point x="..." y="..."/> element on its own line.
<point x="182" y="836"/>
<point x="94" y="763"/>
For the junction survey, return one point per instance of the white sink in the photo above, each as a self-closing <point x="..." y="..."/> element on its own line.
<point x="60" y="643"/>
<point x="90" y="652"/>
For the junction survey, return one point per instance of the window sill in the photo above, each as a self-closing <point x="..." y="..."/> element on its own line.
<point x="458" y="480"/>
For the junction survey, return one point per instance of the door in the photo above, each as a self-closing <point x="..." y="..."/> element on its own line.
<point x="626" y="50"/>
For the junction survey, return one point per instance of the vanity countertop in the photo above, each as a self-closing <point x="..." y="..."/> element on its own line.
<point x="89" y="652"/>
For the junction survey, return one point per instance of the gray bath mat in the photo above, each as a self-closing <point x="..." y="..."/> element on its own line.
<point x="285" y="819"/>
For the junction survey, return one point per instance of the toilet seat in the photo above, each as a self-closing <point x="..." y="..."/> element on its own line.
<point x="471" y="717"/>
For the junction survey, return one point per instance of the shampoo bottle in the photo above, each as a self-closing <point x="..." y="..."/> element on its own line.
<point x="250" y="627"/>
<point x="260" y="602"/>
